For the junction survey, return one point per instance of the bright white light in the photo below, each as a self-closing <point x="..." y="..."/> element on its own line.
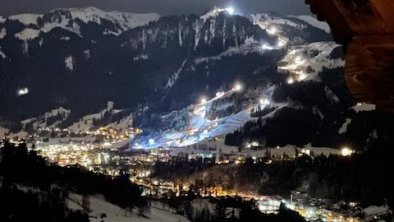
<point x="272" y="30"/>
<point x="203" y="100"/>
<point x="298" y="59"/>
<point x="151" y="142"/>
<point x="219" y="94"/>
<point x="290" y="206"/>
<point x="230" y="10"/>
<point x="265" y="102"/>
<point x="290" y="80"/>
<point x="237" y="87"/>
<point x="346" y="151"/>
<point x="266" y="46"/>
<point x="301" y="77"/>
<point x="281" y="43"/>
<point x="107" y="144"/>
<point x="23" y="91"/>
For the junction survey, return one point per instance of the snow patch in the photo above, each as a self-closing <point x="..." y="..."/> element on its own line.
<point x="26" y="19"/>
<point x="376" y="210"/>
<point x="87" y="54"/>
<point x="99" y="206"/>
<point x="266" y="21"/>
<point x="87" y="122"/>
<point x="41" y="122"/>
<point x="364" y="107"/>
<point x="3" y="132"/>
<point x="141" y="57"/>
<point x="213" y="13"/>
<point x="2" y="54"/>
<point x="174" y="77"/>
<point x="28" y="34"/>
<point x="65" y="38"/>
<point x="124" y="20"/>
<point x="246" y="49"/>
<point x="68" y="18"/>
<point x="331" y="95"/>
<point x="3" y="33"/>
<point x="19" y="135"/>
<point x="314" y="22"/>
<point x="69" y="63"/>
<point x="305" y="62"/>
<point x="344" y="126"/>
<point x="23" y="91"/>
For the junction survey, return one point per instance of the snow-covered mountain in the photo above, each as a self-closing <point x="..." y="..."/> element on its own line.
<point x="72" y="19"/>
<point x="156" y="69"/>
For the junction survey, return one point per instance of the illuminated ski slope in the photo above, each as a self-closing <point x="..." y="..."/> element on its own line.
<point x="199" y="127"/>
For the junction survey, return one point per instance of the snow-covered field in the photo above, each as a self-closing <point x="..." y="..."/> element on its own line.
<point x="99" y="206"/>
<point x="314" y="22"/>
<point x="364" y="107"/>
<point x="198" y="126"/>
<point x="305" y="62"/>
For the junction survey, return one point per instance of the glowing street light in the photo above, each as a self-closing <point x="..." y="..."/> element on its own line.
<point x="203" y="100"/>
<point x="230" y="10"/>
<point x="237" y="87"/>
<point x="346" y="151"/>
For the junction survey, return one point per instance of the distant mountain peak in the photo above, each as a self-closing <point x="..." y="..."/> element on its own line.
<point x="216" y="11"/>
<point x="70" y="19"/>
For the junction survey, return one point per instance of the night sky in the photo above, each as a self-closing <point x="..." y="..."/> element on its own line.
<point x="163" y="7"/>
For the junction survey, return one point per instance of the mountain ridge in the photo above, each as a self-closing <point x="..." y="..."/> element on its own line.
<point x="165" y="67"/>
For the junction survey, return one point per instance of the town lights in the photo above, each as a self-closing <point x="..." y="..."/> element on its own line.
<point x="346" y="151"/>
<point x="230" y="10"/>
